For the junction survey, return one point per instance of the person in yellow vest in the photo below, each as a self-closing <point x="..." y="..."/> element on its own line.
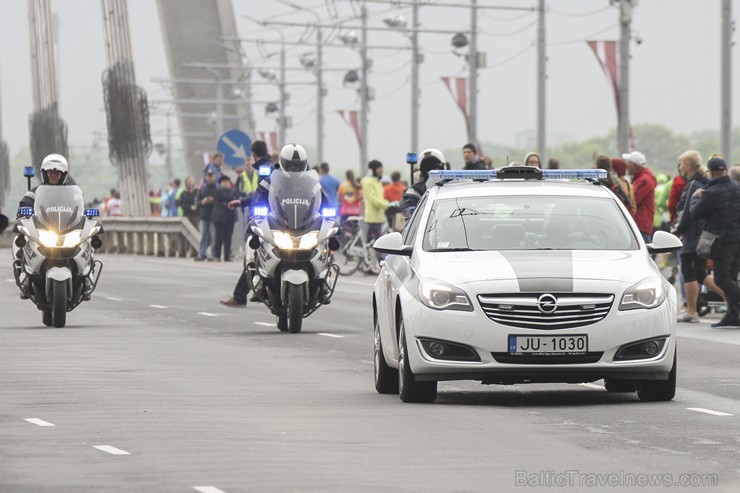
<point x="375" y="205"/>
<point x="248" y="180"/>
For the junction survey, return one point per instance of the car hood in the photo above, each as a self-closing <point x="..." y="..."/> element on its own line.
<point x="532" y="268"/>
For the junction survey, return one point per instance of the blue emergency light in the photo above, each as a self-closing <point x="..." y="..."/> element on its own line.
<point x="260" y="211"/>
<point x="90" y="213"/>
<point x="29" y="171"/>
<point x="328" y="213"/>
<point x="25" y="211"/>
<point x="264" y="170"/>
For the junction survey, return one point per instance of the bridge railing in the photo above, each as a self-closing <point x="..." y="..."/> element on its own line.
<point x="159" y="236"/>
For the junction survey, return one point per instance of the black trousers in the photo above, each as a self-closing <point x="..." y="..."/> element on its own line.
<point x="241" y="290"/>
<point x="726" y="267"/>
<point x="224" y="232"/>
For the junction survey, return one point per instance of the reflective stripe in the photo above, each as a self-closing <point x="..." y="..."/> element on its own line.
<point x="30" y="194"/>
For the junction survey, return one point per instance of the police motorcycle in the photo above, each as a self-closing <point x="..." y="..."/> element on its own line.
<point x="292" y="272"/>
<point x="53" y="260"/>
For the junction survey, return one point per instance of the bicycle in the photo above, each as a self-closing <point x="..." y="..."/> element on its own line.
<point x="355" y="251"/>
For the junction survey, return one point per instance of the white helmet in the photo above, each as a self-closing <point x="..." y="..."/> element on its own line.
<point x="430" y="159"/>
<point x="54" y="162"/>
<point x="293" y="158"/>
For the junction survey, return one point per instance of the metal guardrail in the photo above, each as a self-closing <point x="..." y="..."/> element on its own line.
<point x="159" y="236"/>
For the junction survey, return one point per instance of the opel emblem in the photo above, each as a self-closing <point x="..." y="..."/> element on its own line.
<point x="547" y="304"/>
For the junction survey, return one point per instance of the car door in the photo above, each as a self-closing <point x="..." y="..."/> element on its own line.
<point x="396" y="272"/>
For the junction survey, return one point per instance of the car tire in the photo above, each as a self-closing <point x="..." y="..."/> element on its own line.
<point x="618" y="385"/>
<point x="409" y="390"/>
<point x="659" y="390"/>
<point x="386" y="378"/>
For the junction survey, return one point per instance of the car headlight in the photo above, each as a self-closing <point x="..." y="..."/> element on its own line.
<point x="442" y="296"/>
<point x="647" y="294"/>
<point x="282" y="240"/>
<point x="52" y="240"/>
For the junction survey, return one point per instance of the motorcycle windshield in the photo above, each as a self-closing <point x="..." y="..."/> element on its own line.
<point x="58" y="207"/>
<point x="295" y="199"/>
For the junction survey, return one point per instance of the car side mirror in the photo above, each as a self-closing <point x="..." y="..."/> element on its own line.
<point x="664" y="242"/>
<point x="392" y="244"/>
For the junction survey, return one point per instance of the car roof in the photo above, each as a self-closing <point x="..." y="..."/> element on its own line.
<point x="564" y="188"/>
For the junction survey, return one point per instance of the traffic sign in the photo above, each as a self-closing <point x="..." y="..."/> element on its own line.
<point x="235" y="146"/>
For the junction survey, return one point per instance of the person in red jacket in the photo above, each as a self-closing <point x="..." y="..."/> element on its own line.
<point x="643" y="183"/>
<point x="677" y="186"/>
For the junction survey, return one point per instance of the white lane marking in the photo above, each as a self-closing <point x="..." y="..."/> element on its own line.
<point x="111" y="450"/>
<point x="265" y="324"/>
<point x="208" y="489"/>
<point x="158" y="306"/>
<point x="592" y="386"/>
<point x="367" y="362"/>
<point x="10" y="280"/>
<point x="329" y="335"/>
<point x="206" y="314"/>
<point x="111" y="298"/>
<point x="708" y="411"/>
<point x="39" y="422"/>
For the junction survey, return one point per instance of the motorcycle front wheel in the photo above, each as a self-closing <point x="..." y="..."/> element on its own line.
<point x="295" y="308"/>
<point x="59" y="303"/>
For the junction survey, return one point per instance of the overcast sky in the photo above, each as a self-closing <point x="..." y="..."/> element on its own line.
<point x="675" y="72"/>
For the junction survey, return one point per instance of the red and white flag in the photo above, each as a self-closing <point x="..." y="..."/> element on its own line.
<point x="607" y="54"/>
<point x="269" y="138"/>
<point x="458" y="87"/>
<point x="351" y="118"/>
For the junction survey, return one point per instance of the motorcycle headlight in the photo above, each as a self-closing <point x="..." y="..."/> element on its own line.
<point x="309" y="240"/>
<point x="48" y="238"/>
<point x="442" y="296"/>
<point x="282" y="240"/>
<point x="647" y="294"/>
<point x="52" y="240"/>
<point x="73" y="238"/>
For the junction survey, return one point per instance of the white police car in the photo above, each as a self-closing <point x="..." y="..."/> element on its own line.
<point x="523" y="276"/>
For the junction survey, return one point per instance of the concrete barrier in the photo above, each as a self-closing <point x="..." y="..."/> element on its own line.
<point x="159" y="236"/>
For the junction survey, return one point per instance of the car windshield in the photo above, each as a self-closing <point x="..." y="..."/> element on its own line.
<point x="527" y="223"/>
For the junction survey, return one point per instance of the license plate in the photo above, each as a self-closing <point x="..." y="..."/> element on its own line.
<point x="548" y="345"/>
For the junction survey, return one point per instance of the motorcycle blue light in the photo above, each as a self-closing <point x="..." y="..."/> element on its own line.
<point x="328" y="212"/>
<point x="25" y="211"/>
<point x="264" y="170"/>
<point x="92" y="212"/>
<point x="260" y="211"/>
<point x="29" y="171"/>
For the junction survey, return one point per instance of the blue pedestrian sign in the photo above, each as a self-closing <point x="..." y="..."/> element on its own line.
<point x="235" y="145"/>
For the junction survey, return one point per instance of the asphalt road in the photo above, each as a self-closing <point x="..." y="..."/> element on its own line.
<point x="153" y="386"/>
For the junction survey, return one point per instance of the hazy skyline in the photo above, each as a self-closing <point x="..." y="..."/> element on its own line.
<point x="675" y="73"/>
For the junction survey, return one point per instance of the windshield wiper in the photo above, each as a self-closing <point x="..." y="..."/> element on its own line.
<point x="457" y="249"/>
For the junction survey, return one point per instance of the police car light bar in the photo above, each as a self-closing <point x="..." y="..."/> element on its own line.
<point x="25" y="211"/>
<point x="260" y="211"/>
<point x="437" y="176"/>
<point x="92" y="212"/>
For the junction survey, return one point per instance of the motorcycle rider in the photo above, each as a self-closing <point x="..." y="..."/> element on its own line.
<point x="293" y="160"/>
<point x="431" y="159"/>
<point x="54" y="171"/>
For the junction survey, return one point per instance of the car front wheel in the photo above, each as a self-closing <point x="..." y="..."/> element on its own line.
<point x="408" y="388"/>
<point x="659" y="390"/>
<point x="386" y="378"/>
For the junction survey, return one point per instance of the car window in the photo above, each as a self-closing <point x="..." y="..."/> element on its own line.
<point x="409" y="232"/>
<point x="527" y="223"/>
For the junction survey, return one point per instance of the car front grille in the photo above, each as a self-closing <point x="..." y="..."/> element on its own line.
<point x="546" y="311"/>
